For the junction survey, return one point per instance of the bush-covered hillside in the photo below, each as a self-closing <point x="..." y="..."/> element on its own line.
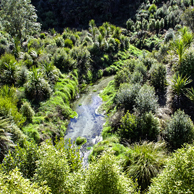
<point x="147" y="144"/>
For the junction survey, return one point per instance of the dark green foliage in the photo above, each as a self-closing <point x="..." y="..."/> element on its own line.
<point x="23" y="158"/>
<point x="179" y="130"/>
<point x="8" y="69"/>
<point x="59" y="41"/>
<point x="68" y="43"/>
<point x="177" y="177"/>
<point x="42" y="35"/>
<point x="158" y="76"/>
<point x="122" y="76"/>
<point x="80" y="141"/>
<point x="53" y="167"/>
<point x="146" y="100"/>
<point x="5" y="138"/>
<point x="27" y="111"/>
<point x="128" y="128"/>
<point x="188" y="16"/>
<point x="18" y="184"/>
<point x="133" y="128"/>
<point x="127" y="95"/>
<point x="63" y="61"/>
<point x="147" y="160"/>
<point x="104" y="176"/>
<point x="37" y="88"/>
<point x="148" y="127"/>
<point x="187" y="63"/>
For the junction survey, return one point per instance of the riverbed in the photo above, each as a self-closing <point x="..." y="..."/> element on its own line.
<point x="89" y="122"/>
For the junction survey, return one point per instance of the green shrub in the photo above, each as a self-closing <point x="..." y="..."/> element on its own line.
<point x="68" y="43"/>
<point x="8" y="69"/>
<point x="146" y="101"/>
<point x="128" y="128"/>
<point x="127" y="95"/>
<point x="24" y="158"/>
<point x="147" y="160"/>
<point x="187" y="63"/>
<point x="59" y="42"/>
<point x="32" y="132"/>
<point x="105" y="176"/>
<point x="63" y="61"/>
<point x="148" y="61"/>
<point x="27" y="111"/>
<point x="18" y="184"/>
<point x="59" y="166"/>
<point x="177" y="177"/>
<point x="122" y="76"/>
<point x="42" y="36"/>
<point x="136" y="77"/>
<point x="158" y="76"/>
<point x="179" y="130"/>
<point x="148" y="127"/>
<point x="80" y="141"/>
<point x="34" y="43"/>
<point x="37" y="88"/>
<point x="8" y="108"/>
<point x="5" y="138"/>
<point x="52" y="166"/>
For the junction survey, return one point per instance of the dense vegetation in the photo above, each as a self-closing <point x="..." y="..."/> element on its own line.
<point x="148" y="137"/>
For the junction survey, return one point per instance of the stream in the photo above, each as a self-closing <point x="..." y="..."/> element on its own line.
<point x="89" y="122"/>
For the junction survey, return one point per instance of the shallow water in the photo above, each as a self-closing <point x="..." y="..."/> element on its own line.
<point x="89" y="122"/>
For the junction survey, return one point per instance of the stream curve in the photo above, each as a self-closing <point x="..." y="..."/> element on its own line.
<point x="89" y="122"/>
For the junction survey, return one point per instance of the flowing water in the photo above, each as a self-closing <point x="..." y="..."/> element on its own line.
<point x="89" y="122"/>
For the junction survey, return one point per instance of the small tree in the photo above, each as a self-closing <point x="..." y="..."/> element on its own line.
<point x="177" y="177"/>
<point x="179" y="130"/>
<point x="179" y="84"/>
<point x="19" y="17"/>
<point x="188" y="17"/>
<point x="15" y="183"/>
<point x="105" y="177"/>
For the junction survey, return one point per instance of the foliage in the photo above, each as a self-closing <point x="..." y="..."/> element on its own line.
<point x="27" y="111"/>
<point x="187" y="64"/>
<point x="133" y="128"/>
<point x="188" y="16"/>
<point x="8" y="69"/>
<point x="179" y="130"/>
<point x="24" y="158"/>
<point x="177" y="177"/>
<point x="8" y="108"/>
<point x="80" y="141"/>
<point x="146" y="101"/>
<point x="19" y="17"/>
<point x="105" y="176"/>
<point x="15" y="183"/>
<point x="148" y="127"/>
<point x="53" y="167"/>
<point x="147" y="160"/>
<point x="127" y="95"/>
<point x="37" y="88"/>
<point x="179" y="84"/>
<point x="190" y="94"/>
<point x="122" y="76"/>
<point x="63" y="61"/>
<point x="158" y="76"/>
<point x="5" y="138"/>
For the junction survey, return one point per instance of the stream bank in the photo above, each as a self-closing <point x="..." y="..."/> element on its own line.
<point x="89" y="122"/>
